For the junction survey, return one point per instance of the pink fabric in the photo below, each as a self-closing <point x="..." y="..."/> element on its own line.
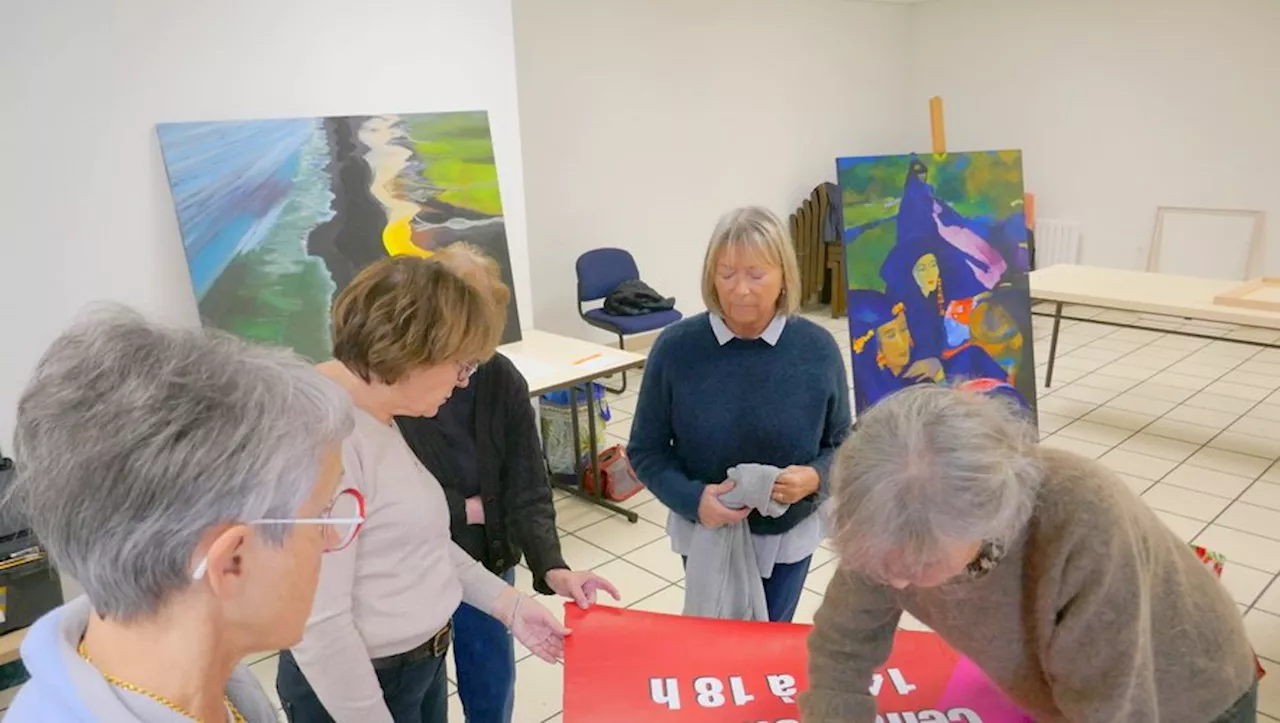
<point x="970" y="688"/>
<point x="975" y="246"/>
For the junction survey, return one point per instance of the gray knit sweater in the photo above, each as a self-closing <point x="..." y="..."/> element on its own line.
<point x="1099" y="613"/>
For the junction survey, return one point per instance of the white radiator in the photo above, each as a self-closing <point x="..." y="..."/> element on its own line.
<point x="1057" y="242"/>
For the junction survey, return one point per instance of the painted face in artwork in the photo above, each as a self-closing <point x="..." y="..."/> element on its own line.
<point x="926" y="274"/>
<point x="894" y="340"/>
<point x="995" y="331"/>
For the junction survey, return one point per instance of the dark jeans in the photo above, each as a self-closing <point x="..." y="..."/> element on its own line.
<point x="1245" y="710"/>
<point x="782" y="589"/>
<point x="416" y="692"/>
<point x="484" y="659"/>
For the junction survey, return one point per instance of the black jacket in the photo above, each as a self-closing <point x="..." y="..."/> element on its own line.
<point x="519" y="513"/>
<point x="636" y="298"/>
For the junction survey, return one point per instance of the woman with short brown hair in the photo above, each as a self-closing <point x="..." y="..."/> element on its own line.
<point x="484" y="449"/>
<point x="407" y="332"/>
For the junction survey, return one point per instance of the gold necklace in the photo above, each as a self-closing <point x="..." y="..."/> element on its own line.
<point x="235" y="713"/>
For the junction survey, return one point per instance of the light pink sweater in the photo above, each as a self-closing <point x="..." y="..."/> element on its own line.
<point x="395" y="586"/>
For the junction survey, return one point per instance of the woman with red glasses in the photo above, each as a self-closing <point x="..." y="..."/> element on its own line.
<point x="189" y="482"/>
<point x="407" y="332"/>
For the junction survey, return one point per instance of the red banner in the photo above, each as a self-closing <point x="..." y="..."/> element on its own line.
<point x="626" y="666"/>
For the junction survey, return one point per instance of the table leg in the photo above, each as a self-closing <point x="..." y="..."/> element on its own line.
<point x="593" y="444"/>
<point x="1053" y="344"/>
<point x="577" y="438"/>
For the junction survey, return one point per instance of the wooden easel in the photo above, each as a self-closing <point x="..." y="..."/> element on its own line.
<point x="938" y="130"/>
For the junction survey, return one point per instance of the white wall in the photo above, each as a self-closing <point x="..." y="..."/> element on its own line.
<point x="85" y="211"/>
<point x="1120" y="106"/>
<point x="643" y="121"/>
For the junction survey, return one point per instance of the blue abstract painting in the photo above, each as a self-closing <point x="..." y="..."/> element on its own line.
<point x="937" y="261"/>
<point x="277" y="215"/>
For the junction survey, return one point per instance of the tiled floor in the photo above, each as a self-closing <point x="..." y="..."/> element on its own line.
<point x="1192" y="425"/>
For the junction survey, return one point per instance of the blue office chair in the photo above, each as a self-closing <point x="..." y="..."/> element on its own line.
<point x="599" y="273"/>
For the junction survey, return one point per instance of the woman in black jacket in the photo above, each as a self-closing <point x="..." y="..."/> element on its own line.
<point x="483" y="446"/>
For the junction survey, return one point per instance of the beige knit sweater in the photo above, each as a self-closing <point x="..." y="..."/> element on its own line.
<point x="1098" y="614"/>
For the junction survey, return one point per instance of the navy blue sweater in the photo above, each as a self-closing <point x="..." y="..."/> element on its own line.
<point x="704" y="408"/>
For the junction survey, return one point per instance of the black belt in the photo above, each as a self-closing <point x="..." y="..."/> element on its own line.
<point x="435" y="647"/>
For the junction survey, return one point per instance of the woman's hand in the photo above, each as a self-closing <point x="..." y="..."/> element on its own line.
<point x="581" y="587"/>
<point x="533" y="625"/>
<point x="795" y="483"/>
<point x="712" y="512"/>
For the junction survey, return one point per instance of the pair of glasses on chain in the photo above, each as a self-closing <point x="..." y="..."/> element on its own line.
<point x="342" y="520"/>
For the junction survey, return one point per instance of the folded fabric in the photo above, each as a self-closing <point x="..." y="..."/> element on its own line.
<point x="722" y="577"/>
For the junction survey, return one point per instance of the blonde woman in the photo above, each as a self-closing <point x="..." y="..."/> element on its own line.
<point x="407" y="332"/>
<point x="748" y="381"/>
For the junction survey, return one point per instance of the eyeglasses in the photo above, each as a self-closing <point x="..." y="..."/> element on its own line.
<point x="466" y="370"/>
<point x="342" y="520"/>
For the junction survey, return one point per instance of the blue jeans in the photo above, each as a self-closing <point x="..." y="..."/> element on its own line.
<point x="782" y="589"/>
<point x="484" y="659"/>
<point x="416" y="692"/>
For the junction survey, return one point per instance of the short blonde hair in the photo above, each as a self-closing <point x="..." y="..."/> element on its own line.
<point x="756" y="229"/>
<point x="405" y="312"/>
<point x="479" y="269"/>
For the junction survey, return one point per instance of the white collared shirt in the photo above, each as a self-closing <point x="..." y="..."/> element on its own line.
<point x="770" y="335"/>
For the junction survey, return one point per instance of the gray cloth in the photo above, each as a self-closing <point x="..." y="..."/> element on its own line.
<point x="788" y="548"/>
<point x="722" y="577"/>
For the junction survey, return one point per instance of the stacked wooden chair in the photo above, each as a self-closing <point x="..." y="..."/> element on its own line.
<point x="818" y="260"/>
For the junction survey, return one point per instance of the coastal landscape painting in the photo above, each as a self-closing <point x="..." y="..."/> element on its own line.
<point x="937" y="259"/>
<point x="277" y="215"/>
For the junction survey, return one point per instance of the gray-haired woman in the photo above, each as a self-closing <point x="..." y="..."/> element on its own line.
<point x="1038" y="564"/>
<point x="187" y="481"/>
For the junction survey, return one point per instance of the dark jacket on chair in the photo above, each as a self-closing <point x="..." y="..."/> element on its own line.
<point x="635" y="297"/>
<point x="506" y="468"/>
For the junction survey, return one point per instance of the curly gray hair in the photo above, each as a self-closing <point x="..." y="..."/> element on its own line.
<point x="928" y="466"/>
<point x="133" y="439"/>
